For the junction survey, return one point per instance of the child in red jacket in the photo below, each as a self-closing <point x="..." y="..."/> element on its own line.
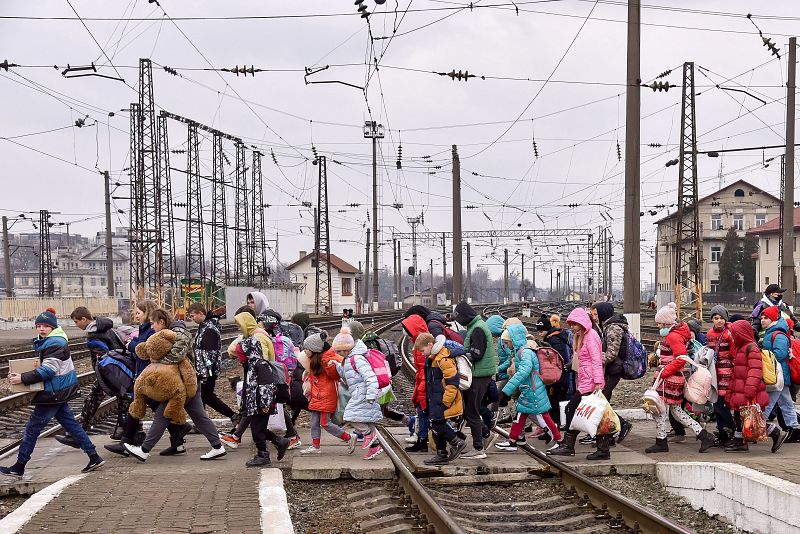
<point x="720" y="340"/>
<point x="414" y="325"/>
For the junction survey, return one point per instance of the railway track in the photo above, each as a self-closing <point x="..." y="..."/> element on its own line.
<point x="559" y="500"/>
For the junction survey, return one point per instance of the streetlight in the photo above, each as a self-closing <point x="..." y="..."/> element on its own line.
<point x="374" y="131"/>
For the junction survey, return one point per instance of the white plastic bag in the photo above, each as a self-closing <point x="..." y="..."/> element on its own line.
<point x="239" y="387"/>
<point x="276" y="422"/>
<point x="589" y="413"/>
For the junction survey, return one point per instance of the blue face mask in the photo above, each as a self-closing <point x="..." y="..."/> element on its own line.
<point x="664" y="331"/>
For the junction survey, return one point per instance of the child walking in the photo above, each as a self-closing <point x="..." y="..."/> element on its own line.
<point x="363" y="409"/>
<point x="323" y="377"/>
<point x="57" y="372"/>
<point x="533" y="399"/>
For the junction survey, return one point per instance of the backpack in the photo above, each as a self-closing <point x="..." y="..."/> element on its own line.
<point x="464" y="371"/>
<point x="377" y="361"/>
<point x="284" y="352"/>
<point x="769" y="367"/>
<point x="449" y="333"/>
<point x="634" y="364"/>
<point x="280" y="378"/>
<point x="551" y="364"/>
<point x="698" y="385"/>
<point x="387" y="347"/>
<point x="116" y="372"/>
<point x="794" y="362"/>
<point x="294" y="332"/>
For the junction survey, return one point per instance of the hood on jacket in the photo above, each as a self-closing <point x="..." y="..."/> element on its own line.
<point x="357" y="329"/>
<point x="683" y="330"/>
<point x="605" y="310"/>
<point x="178" y="325"/>
<point x="57" y="336"/>
<point x="579" y="316"/>
<point x="780" y="325"/>
<point x="435" y="316"/>
<point x="246" y="322"/>
<point x="301" y="319"/>
<point x="359" y="348"/>
<point x="518" y="335"/>
<point x="617" y="319"/>
<point x="495" y="323"/>
<point x="417" y="309"/>
<point x="101" y="325"/>
<point x="742" y="332"/>
<point x="414" y="325"/>
<point x="260" y="300"/>
<point x="464" y="314"/>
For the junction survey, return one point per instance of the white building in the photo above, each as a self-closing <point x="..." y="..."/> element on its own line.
<point x="343" y="280"/>
<point x="768" y="265"/>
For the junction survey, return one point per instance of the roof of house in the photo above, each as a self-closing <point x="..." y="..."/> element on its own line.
<point x="337" y="262"/>
<point x="774" y="226"/>
<point x="737" y="183"/>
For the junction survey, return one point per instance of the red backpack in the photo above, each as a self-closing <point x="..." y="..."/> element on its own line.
<point x="380" y="367"/>
<point x="449" y="333"/>
<point x="551" y="364"/>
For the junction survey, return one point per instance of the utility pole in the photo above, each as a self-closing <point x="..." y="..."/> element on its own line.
<point x="787" y="261"/>
<point x="414" y="221"/>
<point x="457" y="247"/>
<point x="431" y="277"/>
<point x="109" y="251"/>
<point x="522" y="278"/>
<point x="469" y="276"/>
<point x="374" y="131"/>
<point x="610" y="269"/>
<point x="7" y="260"/>
<point x="505" y="276"/>
<point x="534" y="278"/>
<point x="323" y="298"/>
<point x="632" y="260"/>
<point x="396" y="269"/>
<point x="444" y="268"/>
<point x="46" y="288"/>
<point x="366" y="274"/>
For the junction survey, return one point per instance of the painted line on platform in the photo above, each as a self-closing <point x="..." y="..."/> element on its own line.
<point x="35" y="503"/>
<point x="275" y="516"/>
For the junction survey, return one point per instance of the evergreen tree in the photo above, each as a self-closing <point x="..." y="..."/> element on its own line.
<point x="730" y="262"/>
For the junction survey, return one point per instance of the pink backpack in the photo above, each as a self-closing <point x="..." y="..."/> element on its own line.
<point x="698" y="385"/>
<point x="379" y="366"/>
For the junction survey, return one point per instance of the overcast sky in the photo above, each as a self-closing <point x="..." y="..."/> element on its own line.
<point x="577" y="119"/>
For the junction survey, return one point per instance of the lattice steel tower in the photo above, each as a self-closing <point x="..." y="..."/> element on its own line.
<point x="242" y="216"/>
<point x="195" y="264"/>
<point x="323" y="299"/>
<point x="258" y="254"/>
<point x="46" y="286"/>
<point x="220" y="272"/>
<point x="688" y="254"/>
<point x="168" y="264"/>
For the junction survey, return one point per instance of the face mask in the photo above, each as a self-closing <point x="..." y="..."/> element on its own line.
<point x="778" y="298"/>
<point x="664" y="331"/>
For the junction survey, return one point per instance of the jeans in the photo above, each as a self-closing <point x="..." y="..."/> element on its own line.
<point x="42" y="414"/>
<point x="782" y="398"/>
<point x="194" y="407"/>
<point x="477" y="416"/>
<point x="210" y="398"/>
<point x="422" y="424"/>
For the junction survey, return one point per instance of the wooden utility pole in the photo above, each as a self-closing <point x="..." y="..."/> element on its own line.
<point x="457" y="247"/>
<point x="787" y="260"/>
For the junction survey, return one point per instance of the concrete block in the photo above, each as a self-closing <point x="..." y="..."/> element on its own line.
<point x="275" y="516"/>
<point x="692" y="475"/>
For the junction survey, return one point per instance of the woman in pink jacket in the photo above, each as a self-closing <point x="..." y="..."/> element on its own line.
<point x="587" y="350"/>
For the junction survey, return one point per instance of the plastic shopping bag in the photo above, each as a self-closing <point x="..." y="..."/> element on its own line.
<point x="276" y="421"/>
<point x="589" y="413"/>
<point x="386" y="395"/>
<point x="754" y="427"/>
<point x="344" y="398"/>
<point x="609" y="424"/>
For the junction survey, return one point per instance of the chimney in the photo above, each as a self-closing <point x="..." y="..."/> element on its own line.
<point x="302" y="254"/>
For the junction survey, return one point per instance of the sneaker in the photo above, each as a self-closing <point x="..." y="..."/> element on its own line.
<point x="93" y="464"/>
<point x="259" y="460"/>
<point x="117" y="448"/>
<point x="137" y="452"/>
<point x="555" y="445"/>
<point x="294" y="443"/>
<point x="587" y="440"/>
<point x="456" y="449"/>
<point x="538" y="431"/>
<point x="351" y="444"/>
<point x="282" y="445"/>
<point x="489" y="441"/>
<point x="412" y="423"/>
<point x="410" y="439"/>
<point x="778" y="438"/>
<point x="359" y="437"/>
<point x="173" y="451"/>
<point x="313" y="450"/>
<point x="368" y="439"/>
<point x="68" y="440"/>
<point x="17" y="470"/>
<point x="474" y="454"/>
<point x="231" y="440"/>
<point x="440" y="458"/>
<point x="506" y="445"/>
<point x="372" y="452"/>
<point x="219" y="452"/>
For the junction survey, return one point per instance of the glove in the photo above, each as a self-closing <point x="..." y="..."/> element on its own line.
<point x="504" y="400"/>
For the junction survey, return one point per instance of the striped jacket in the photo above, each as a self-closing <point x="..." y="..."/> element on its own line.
<point x="56" y="369"/>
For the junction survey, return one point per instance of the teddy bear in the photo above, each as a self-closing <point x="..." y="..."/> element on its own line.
<point x="173" y="383"/>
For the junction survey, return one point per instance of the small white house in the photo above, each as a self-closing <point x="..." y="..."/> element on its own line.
<point x="343" y="280"/>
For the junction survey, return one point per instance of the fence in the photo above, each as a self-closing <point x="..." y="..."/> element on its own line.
<point x="19" y="309"/>
<point x="286" y="299"/>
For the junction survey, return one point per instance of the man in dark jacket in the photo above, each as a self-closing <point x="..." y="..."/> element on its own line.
<point x="614" y="329"/>
<point x="483" y="354"/>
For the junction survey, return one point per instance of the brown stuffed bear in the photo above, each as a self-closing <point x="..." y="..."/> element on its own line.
<point x="161" y="382"/>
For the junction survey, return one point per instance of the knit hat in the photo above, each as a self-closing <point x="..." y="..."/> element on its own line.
<point x="555" y="320"/>
<point x="505" y="336"/>
<point x="543" y="324"/>
<point x="357" y="329"/>
<point x="316" y="342"/>
<point x="772" y="313"/>
<point x="695" y="326"/>
<point x="736" y="317"/>
<point x="720" y="310"/>
<point x="417" y="309"/>
<point x="343" y="340"/>
<point x="47" y="317"/>
<point x="668" y="314"/>
<point x="423" y="340"/>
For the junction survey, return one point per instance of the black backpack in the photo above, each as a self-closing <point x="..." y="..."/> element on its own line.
<point x="116" y="371"/>
<point x="387" y="347"/>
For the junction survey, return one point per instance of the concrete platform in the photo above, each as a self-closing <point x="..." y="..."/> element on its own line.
<point x="334" y="462"/>
<point x="164" y="494"/>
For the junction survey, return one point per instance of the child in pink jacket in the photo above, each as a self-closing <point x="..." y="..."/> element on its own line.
<point x="587" y="350"/>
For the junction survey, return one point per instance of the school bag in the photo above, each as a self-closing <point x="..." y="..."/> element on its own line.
<point x="380" y="367"/>
<point x="634" y="364"/>
<point x="449" y="333"/>
<point x="551" y="364"/>
<point x="464" y="371"/>
<point x="387" y="347"/>
<point x="794" y="362"/>
<point x="698" y="385"/>
<point x="284" y="352"/>
<point x="280" y="377"/>
<point x="116" y="372"/>
<point x="769" y="367"/>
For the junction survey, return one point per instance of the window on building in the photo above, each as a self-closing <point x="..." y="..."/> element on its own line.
<point x="347" y="287"/>
<point x="738" y="222"/>
<point x="716" y="221"/>
<point x="716" y="252"/>
<point x="738" y="193"/>
<point x="761" y="218"/>
<point x="94" y="281"/>
<point x="766" y="280"/>
<point x="715" y="286"/>
<point x="766" y="247"/>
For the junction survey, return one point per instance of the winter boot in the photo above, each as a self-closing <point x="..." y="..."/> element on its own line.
<point x="660" y="446"/>
<point x="119" y="447"/>
<point x="259" y="460"/>
<point x="601" y="453"/>
<point x="421" y="445"/>
<point x="706" y="440"/>
<point x="17" y="470"/>
<point x="737" y="445"/>
<point x="457" y="446"/>
<point x="567" y="446"/>
<point x="440" y="458"/>
<point x="282" y="445"/>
